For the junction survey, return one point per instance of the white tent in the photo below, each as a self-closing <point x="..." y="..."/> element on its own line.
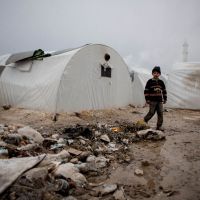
<point x="184" y="86"/>
<point x="74" y="80"/>
<point x="139" y="77"/>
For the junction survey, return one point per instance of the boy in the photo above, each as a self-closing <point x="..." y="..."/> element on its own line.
<point x="155" y="95"/>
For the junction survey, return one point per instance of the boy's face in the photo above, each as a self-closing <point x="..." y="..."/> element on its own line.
<point x="156" y="74"/>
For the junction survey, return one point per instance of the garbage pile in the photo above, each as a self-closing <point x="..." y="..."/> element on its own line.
<point x="36" y="165"/>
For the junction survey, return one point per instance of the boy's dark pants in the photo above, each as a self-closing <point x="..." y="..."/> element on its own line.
<point x="155" y="107"/>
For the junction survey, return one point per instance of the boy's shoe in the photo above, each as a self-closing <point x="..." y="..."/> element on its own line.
<point x="160" y="128"/>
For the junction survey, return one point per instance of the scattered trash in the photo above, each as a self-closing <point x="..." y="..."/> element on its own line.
<point x="1" y="130"/>
<point x="74" y="160"/>
<point x="1" y="125"/>
<point x="145" y="163"/>
<point x="49" y="142"/>
<point x="69" y="170"/>
<point x="70" y="141"/>
<point x="55" y="136"/>
<point x="97" y="162"/>
<point x="56" y="146"/>
<point x="61" y="141"/>
<point x="83" y="156"/>
<point x="150" y="134"/>
<point x="105" y="138"/>
<point x="97" y="133"/>
<point x="131" y="105"/>
<point x="11" y="169"/>
<point x="112" y="147"/>
<point x="2" y="144"/>
<point x="83" y="142"/>
<point x="62" y="187"/>
<point x="36" y="176"/>
<point x="86" y="167"/>
<point x="125" y="141"/>
<point x="31" y="134"/>
<point x="171" y="193"/>
<point x="28" y="147"/>
<point x="106" y="189"/>
<point x="139" y="172"/>
<point x="14" y="139"/>
<point x="52" y="158"/>
<point x="79" y="150"/>
<point x="74" y="151"/>
<point x="119" y="194"/>
<point x="78" y="130"/>
<point x="6" y="107"/>
<point x="116" y="129"/>
<point x="3" y="152"/>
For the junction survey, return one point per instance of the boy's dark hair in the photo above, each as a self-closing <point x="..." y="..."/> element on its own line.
<point x="156" y="69"/>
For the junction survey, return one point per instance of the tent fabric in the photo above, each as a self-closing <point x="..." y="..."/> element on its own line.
<point x="18" y="56"/>
<point x="67" y="82"/>
<point x="11" y="169"/>
<point x="3" y="59"/>
<point x="183" y="86"/>
<point x="139" y="78"/>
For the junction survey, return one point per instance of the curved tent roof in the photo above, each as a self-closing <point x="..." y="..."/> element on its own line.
<point x="68" y="81"/>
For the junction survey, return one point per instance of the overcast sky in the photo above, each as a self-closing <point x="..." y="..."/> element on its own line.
<point x="144" y="32"/>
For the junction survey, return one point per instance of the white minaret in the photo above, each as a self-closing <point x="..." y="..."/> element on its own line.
<point x="185" y="52"/>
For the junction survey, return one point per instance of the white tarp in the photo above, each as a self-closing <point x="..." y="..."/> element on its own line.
<point x="11" y="169"/>
<point x="184" y="86"/>
<point x="70" y="81"/>
<point x="3" y="60"/>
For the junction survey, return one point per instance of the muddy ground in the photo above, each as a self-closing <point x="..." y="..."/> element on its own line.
<point x="171" y="167"/>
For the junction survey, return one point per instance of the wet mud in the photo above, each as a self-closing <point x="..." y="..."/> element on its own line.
<point x="168" y="169"/>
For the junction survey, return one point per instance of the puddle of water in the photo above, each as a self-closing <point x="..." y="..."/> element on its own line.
<point x="144" y="151"/>
<point x="174" y="164"/>
<point x="181" y="169"/>
<point x="126" y="176"/>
